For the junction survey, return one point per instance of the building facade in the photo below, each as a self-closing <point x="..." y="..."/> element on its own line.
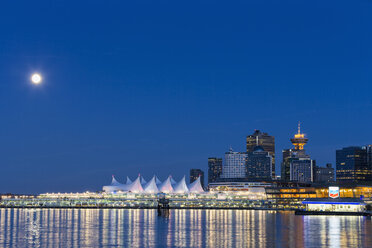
<point x="285" y="166"/>
<point x="301" y="169"/>
<point x="297" y="166"/>
<point x="354" y="165"/>
<point x="324" y="174"/>
<point x="195" y="174"/>
<point x="214" y="169"/>
<point x="234" y="166"/>
<point x="259" y="164"/>
<point x="264" y="140"/>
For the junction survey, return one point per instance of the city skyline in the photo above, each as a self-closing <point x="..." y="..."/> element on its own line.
<point x="185" y="123"/>
<point x="142" y="87"/>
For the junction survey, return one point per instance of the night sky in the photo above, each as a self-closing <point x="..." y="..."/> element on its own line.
<point x="159" y="86"/>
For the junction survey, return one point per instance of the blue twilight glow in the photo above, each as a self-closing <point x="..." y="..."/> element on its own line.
<point x="160" y="86"/>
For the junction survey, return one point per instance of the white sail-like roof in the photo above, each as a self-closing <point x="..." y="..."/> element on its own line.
<point x="181" y="187"/>
<point x="143" y="181"/>
<point x="151" y="187"/>
<point x="157" y="180"/>
<point x="114" y="182"/>
<point x="166" y="186"/>
<point x="128" y="180"/>
<point x="136" y="186"/>
<point x="196" y="187"/>
<point x="173" y="182"/>
<point x="114" y="186"/>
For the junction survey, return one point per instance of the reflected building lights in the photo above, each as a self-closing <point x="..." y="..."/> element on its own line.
<point x="184" y="228"/>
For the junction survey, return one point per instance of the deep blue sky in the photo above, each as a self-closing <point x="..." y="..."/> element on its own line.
<point x="160" y="86"/>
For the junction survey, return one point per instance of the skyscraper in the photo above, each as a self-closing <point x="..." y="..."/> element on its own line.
<point x="301" y="169"/>
<point x="214" y="169"/>
<point x="324" y="174"/>
<point x="259" y="164"/>
<point x="297" y="165"/>
<point x="286" y="163"/>
<point x="353" y="164"/>
<point x="195" y="173"/>
<point x="264" y="140"/>
<point x="234" y="166"/>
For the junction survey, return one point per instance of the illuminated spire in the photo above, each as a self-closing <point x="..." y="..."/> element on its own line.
<point x="299" y="140"/>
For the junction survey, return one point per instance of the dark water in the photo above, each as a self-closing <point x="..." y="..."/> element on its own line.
<point x="183" y="228"/>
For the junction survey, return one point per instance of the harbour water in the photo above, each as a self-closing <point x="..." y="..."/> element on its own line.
<point x="182" y="228"/>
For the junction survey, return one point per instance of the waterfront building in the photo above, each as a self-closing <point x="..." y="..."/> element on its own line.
<point x="335" y="205"/>
<point x="234" y="166"/>
<point x="195" y="174"/>
<point x="243" y="185"/>
<point x="259" y="164"/>
<point x="324" y="174"/>
<point x="354" y="164"/>
<point x="266" y="141"/>
<point x="297" y="165"/>
<point x="214" y="169"/>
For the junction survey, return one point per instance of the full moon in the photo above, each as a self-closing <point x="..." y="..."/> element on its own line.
<point x="36" y="78"/>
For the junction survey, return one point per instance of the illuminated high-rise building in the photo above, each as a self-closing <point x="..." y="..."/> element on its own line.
<point x="214" y="169"/>
<point x="259" y="164"/>
<point x="285" y="168"/>
<point x="354" y="164"/>
<point x="264" y="140"/>
<point x="324" y="174"/>
<point x="234" y="166"/>
<point x="297" y="165"/>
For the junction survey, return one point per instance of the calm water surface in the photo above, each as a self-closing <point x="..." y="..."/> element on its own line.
<point x="183" y="228"/>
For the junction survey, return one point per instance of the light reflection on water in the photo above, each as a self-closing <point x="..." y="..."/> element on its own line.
<point x="183" y="228"/>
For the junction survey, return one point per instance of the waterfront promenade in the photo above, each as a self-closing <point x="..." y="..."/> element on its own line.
<point x="146" y="201"/>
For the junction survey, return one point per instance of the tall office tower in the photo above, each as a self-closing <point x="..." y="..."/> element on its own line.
<point x="324" y="174"/>
<point x="264" y="140"/>
<point x="259" y="164"/>
<point x="234" y="166"/>
<point x="353" y="164"/>
<point x="369" y="156"/>
<point x="297" y="165"/>
<point x="301" y="169"/>
<point x="285" y="166"/>
<point x="214" y="169"/>
<point x="195" y="173"/>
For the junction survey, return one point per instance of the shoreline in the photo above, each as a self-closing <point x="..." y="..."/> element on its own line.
<point x="125" y="207"/>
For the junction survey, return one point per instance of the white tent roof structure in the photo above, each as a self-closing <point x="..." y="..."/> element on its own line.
<point x="181" y="187"/>
<point x="151" y="186"/>
<point x="154" y="186"/>
<point x="196" y="187"/>
<point x="136" y="186"/>
<point x="157" y="180"/>
<point x="173" y="182"/>
<point x="166" y="186"/>
<point x="114" y="186"/>
<point x="143" y="181"/>
<point x="114" y="182"/>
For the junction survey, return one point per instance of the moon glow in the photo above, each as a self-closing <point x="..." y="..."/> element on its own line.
<point x="36" y="78"/>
